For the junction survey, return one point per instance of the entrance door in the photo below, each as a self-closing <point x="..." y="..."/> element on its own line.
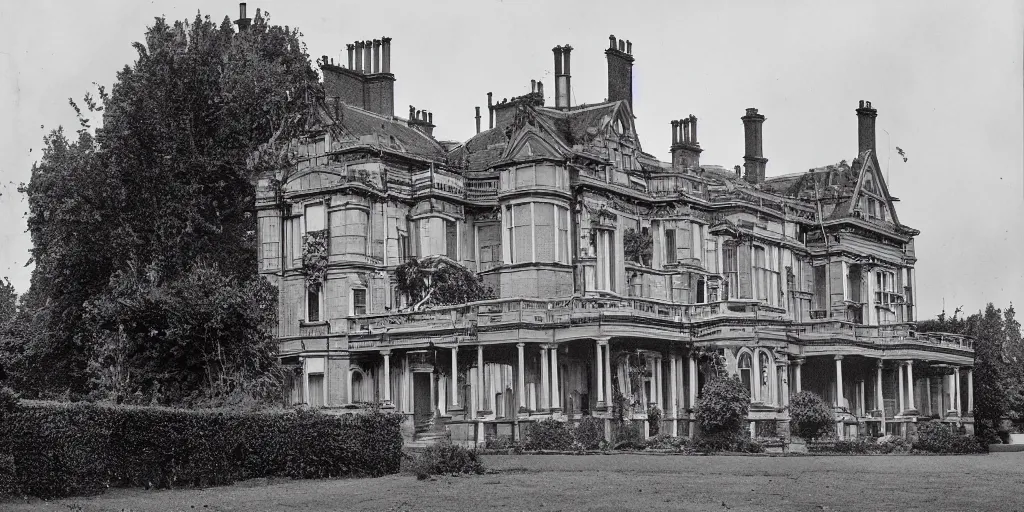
<point x="423" y="410"/>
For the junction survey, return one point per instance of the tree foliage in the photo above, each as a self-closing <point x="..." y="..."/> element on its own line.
<point x="143" y="233"/>
<point x="439" y="281"/>
<point x="723" y="406"/>
<point x="810" y="417"/>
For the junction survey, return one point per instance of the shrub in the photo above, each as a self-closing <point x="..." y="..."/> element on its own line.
<point x="549" y="434"/>
<point x="722" y="407"/>
<point x="668" y="442"/>
<point x="79" y="449"/>
<point x="654" y="421"/>
<point x="936" y="437"/>
<point x="588" y="434"/>
<point x="444" y="458"/>
<point x="810" y="417"/>
<point x="629" y="436"/>
<point x="723" y="441"/>
<point x="893" y="444"/>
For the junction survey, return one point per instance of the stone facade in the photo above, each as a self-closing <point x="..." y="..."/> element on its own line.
<point x="620" y="280"/>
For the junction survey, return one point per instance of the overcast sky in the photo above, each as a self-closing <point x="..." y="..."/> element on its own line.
<point x="946" y="78"/>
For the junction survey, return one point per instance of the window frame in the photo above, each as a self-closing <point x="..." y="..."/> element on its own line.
<point x="319" y="304"/>
<point x="352" y="301"/>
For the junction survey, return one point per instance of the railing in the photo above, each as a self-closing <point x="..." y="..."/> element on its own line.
<point x="881" y="334"/>
<point x="577" y="310"/>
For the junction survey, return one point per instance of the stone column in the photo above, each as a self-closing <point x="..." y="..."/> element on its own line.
<point x="673" y="393"/>
<point x="910" y="385"/>
<point x="839" y="381"/>
<point x="659" y="403"/>
<point x="599" y="370"/>
<point x="481" y="394"/>
<point x="927" y="396"/>
<point x="608" y="372"/>
<point x="902" y="400"/>
<point x="349" y="382"/>
<point x="956" y="389"/>
<point x="387" y="375"/>
<point x="797" y="374"/>
<point x="556" y="397"/>
<point x="944" y="397"/>
<point x="693" y="382"/>
<point x="455" y="377"/>
<point x="521" y="381"/>
<point x="545" y="380"/>
<point x="970" y="391"/>
<point x="783" y="369"/>
<point x="755" y="377"/>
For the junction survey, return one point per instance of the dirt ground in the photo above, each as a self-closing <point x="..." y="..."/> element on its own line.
<point x="641" y="482"/>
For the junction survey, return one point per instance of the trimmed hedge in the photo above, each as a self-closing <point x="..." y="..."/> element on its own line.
<point x="937" y="437"/>
<point x="61" y="449"/>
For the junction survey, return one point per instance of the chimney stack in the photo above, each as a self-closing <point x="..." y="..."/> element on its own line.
<point x="242" y="21"/>
<point x="359" y="57"/>
<point x="685" y="148"/>
<point x="351" y="57"/>
<point x="866" y="127"/>
<point x="540" y="90"/>
<point x="754" y="160"/>
<point x="376" y="55"/>
<point x="386" y="42"/>
<point x="563" y="85"/>
<point x="620" y="70"/>
<point x="478" y="119"/>
<point x="490" y="110"/>
<point x="367" y="57"/>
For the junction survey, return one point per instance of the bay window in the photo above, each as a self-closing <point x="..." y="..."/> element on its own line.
<point x="537" y="232"/>
<point x="349" y="228"/>
<point x="885" y="288"/>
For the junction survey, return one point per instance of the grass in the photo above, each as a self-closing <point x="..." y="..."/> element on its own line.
<point x="640" y="482"/>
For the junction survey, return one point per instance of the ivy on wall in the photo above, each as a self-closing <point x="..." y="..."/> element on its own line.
<point x="314" y="258"/>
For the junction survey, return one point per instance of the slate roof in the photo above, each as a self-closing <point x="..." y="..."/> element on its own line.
<point x="356" y="124"/>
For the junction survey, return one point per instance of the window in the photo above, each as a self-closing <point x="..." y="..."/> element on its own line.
<point x="732" y="282"/>
<point x="606" y="268"/>
<point x="403" y="247"/>
<point x="766" y="274"/>
<point x="537" y="231"/>
<point x="821" y="301"/>
<point x="872" y="208"/>
<point x="885" y="288"/>
<point x="314" y="218"/>
<point x="670" y="246"/>
<point x="746" y="372"/>
<point x="451" y="239"/>
<point x="312" y="304"/>
<point x="764" y="371"/>
<point x="349" y="229"/>
<point x="358" y="301"/>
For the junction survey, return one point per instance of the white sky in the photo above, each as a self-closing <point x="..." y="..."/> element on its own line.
<point x="946" y="78"/>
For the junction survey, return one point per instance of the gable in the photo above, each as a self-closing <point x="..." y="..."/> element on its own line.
<point x="871" y="195"/>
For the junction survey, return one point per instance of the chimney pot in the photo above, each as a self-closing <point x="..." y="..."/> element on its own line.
<point x="629" y="47"/>
<point x="478" y="119"/>
<point x="430" y="117"/>
<point x="675" y="132"/>
<point x="241" y="10"/>
<point x="622" y="45"/>
<point x="533" y="86"/>
<point x="861" y="104"/>
<point x="737" y="170"/>
<point x="611" y="42"/>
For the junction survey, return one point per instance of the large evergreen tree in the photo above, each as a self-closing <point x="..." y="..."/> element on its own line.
<point x="145" y="286"/>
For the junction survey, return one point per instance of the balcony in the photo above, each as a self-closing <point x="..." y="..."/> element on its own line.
<point x="882" y="335"/>
<point x="464" y="320"/>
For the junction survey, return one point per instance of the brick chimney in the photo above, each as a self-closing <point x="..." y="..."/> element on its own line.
<point x="421" y="120"/>
<point x="866" y="127"/>
<point x="685" y="148"/>
<point x="367" y="82"/>
<point x="490" y="109"/>
<point x="243" y="22"/>
<point x="754" y="161"/>
<point x="563" y="84"/>
<point x="620" y="70"/>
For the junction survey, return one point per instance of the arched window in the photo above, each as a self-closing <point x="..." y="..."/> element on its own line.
<point x="764" y="367"/>
<point x="745" y="366"/>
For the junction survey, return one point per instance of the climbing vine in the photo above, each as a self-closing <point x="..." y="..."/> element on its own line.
<point x="638" y="246"/>
<point x="314" y="258"/>
<point x="440" y="281"/>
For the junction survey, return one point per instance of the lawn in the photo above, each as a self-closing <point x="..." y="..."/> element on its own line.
<point x="622" y="482"/>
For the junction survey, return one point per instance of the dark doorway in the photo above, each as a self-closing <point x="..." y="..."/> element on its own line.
<point x="423" y="410"/>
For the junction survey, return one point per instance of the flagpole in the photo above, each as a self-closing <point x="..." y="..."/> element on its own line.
<point x="888" y="154"/>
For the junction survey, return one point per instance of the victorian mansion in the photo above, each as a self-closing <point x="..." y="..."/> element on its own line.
<point x="616" y="276"/>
